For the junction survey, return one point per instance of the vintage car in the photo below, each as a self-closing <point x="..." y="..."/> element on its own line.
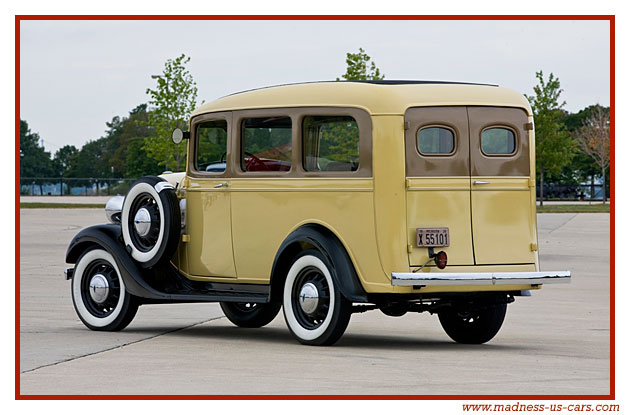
<point x="326" y="199"/>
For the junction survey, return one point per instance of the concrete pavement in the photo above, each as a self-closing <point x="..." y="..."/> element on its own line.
<point x="555" y="342"/>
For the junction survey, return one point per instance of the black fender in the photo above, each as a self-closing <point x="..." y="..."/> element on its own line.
<point x="321" y="238"/>
<point x="109" y="237"/>
<point x="163" y="284"/>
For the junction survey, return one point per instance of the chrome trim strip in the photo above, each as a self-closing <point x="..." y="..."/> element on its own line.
<point x="159" y="186"/>
<point x="480" y="278"/>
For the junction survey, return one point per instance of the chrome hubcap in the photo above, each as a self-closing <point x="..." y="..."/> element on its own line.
<point x="309" y="298"/>
<point x="142" y="222"/>
<point x="99" y="288"/>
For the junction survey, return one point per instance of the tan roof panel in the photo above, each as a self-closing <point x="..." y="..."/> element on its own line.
<point x="377" y="98"/>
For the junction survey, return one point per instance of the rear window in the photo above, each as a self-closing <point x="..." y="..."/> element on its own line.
<point x="330" y="143"/>
<point x="498" y="141"/>
<point x="436" y="141"/>
<point x="266" y="144"/>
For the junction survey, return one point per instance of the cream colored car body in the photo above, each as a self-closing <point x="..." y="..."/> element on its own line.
<point x="235" y="224"/>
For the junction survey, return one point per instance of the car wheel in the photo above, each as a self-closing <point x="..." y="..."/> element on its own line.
<point x="474" y="326"/>
<point x="250" y="315"/>
<point x="314" y="309"/>
<point x="151" y="221"/>
<point x="98" y="293"/>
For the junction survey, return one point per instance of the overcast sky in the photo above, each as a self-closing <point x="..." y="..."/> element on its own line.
<point x="75" y="76"/>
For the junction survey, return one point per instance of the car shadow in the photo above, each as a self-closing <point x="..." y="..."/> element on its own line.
<point x="281" y="335"/>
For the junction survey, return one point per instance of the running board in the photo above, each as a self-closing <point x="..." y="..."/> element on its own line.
<point x="480" y="278"/>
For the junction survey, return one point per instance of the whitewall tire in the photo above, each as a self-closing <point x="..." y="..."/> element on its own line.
<point x="98" y="292"/>
<point x="150" y="221"/>
<point x="315" y="311"/>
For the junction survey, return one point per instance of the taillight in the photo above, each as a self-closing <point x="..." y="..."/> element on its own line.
<point x="440" y="259"/>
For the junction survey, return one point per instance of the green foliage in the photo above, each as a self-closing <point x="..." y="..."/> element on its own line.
<point x="172" y="102"/>
<point x="357" y="68"/>
<point x="64" y="159"/>
<point x="119" y="153"/>
<point x="35" y="161"/>
<point x="554" y="146"/>
<point x="582" y="167"/>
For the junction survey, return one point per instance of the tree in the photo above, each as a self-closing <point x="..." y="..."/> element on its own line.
<point x="554" y="146"/>
<point x="64" y="159"/>
<point x="594" y="140"/>
<point x="582" y="168"/>
<point x="357" y="68"/>
<point x="36" y="160"/>
<point x="172" y="101"/>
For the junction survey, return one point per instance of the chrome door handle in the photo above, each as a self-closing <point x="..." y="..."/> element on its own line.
<point x="217" y="186"/>
<point x="480" y="182"/>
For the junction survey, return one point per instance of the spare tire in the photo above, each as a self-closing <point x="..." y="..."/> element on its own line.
<point x="151" y="221"/>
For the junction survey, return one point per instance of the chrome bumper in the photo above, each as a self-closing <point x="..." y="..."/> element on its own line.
<point x="480" y="278"/>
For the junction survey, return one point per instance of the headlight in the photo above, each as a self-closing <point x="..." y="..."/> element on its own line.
<point x="113" y="208"/>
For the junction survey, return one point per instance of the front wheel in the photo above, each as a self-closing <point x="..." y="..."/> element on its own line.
<point x="98" y="293"/>
<point x="250" y="315"/>
<point x="314" y="308"/>
<point x="475" y="325"/>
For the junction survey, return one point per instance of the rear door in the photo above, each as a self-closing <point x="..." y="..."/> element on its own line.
<point x="501" y="196"/>
<point x="438" y="180"/>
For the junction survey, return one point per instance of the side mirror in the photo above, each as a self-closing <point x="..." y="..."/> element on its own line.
<point x="179" y="135"/>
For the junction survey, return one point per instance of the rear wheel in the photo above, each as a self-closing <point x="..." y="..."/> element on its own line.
<point x="314" y="308"/>
<point x="98" y="293"/>
<point x="473" y="325"/>
<point x="250" y="315"/>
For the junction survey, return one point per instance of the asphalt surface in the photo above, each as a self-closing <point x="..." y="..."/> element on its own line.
<point x="555" y="342"/>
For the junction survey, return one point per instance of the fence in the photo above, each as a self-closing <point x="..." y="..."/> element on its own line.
<point x="64" y="186"/>
<point x="573" y="192"/>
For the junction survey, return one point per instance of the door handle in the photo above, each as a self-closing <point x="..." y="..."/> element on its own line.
<point x="480" y="182"/>
<point x="217" y="186"/>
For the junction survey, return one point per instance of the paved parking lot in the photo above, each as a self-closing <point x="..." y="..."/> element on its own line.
<point x="555" y="342"/>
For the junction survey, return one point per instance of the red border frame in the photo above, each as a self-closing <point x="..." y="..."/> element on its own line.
<point x="610" y="18"/>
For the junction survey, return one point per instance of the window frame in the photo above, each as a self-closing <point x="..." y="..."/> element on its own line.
<point x="364" y="122"/>
<point x="237" y="140"/>
<point x="435" y="125"/>
<point x="193" y="144"/>
<point x="241" y="140"/>
<point x="297" y="114"/>
<point x="503" y="127"/>
<point x="303" y="138"/>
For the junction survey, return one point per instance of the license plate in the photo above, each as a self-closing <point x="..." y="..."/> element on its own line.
<point x="432" y="237"/>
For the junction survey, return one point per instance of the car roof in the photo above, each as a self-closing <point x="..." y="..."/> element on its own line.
<point x="386" y="97"/>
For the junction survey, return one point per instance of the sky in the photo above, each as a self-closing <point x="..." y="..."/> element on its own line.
<point x="77" y="75"/>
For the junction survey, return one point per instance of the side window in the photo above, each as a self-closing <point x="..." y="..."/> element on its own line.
<point x="330" y="143"/>
<point x="266" y="144"/>
<point x="498" y="141"/>
<point x="211" y="146"/>
<point x="436" y="141"/>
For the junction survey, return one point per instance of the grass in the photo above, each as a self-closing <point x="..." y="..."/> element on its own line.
<point x="41" y="205"/>
<point x="595" y="208"/>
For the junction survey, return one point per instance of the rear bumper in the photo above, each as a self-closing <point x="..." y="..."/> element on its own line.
<point x="480" y="278"/>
